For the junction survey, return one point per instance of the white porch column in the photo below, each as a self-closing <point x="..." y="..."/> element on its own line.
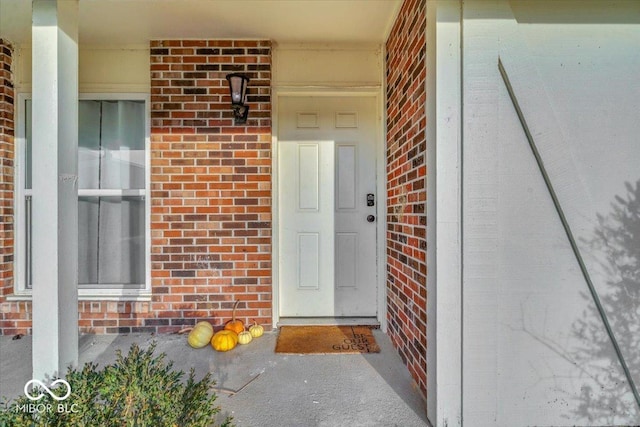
<point x="55" y="193"/>
<point x="444" y="213"/>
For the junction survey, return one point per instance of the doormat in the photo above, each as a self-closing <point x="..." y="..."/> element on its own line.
<point x="326" y="340"/>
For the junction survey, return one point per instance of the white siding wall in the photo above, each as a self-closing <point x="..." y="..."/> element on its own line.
<point x="126" y="68"/>
<point x="535" y="351"/>
<point x="334" y="65"/>
<point x="102" y="69"/>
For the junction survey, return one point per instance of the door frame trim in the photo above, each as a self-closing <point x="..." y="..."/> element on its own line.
<point x="381" y="165"/>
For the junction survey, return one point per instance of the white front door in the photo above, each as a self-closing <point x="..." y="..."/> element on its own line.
<point x="327" y="206"/>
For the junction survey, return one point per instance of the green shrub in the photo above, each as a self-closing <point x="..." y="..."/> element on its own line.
<point x="139" y="389"/>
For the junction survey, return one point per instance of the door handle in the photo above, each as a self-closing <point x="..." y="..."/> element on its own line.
<point x="371" y="218"/>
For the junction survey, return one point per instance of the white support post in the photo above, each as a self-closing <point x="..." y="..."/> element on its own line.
<point x="444" y="213"/>
<point x="55" y="191"/>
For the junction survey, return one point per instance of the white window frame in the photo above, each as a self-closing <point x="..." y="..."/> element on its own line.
<point x="85" y="292"/>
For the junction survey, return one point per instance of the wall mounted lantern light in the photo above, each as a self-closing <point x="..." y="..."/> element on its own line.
<point x="238" y="88"/>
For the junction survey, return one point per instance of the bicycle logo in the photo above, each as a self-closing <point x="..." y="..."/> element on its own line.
<point x="46" y="389"/>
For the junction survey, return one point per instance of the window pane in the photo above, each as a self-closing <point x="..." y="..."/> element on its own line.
<point x="111" y="145"/>
<point x="27" y="148"/>
<point x="111" y="155"/>
<point x="111" y="240"/>
<point x="89" y="144"/>
<point x="27" y="242"/>
<point x="123" y="144"/>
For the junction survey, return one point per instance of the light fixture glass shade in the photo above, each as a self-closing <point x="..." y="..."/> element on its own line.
<point x="238" y="88"/>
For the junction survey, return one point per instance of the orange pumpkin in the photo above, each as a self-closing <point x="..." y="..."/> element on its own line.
<point x="224" y="340"/>
<point x="234" y="324"/>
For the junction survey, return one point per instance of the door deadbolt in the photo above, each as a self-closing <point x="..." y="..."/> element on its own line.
<point x="371" y="199"/>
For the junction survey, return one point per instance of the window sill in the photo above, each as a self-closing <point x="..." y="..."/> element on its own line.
<point x="86" y="295"/>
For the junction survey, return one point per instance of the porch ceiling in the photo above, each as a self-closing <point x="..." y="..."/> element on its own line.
<point x="114" y="22"/>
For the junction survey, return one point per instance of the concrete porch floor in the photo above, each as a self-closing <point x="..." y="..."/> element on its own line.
<point x="274" y="389"/>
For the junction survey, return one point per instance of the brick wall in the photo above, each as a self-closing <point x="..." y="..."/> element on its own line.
<point x="6" y="169"/>
<point x="406" y="170"/>
<point x="14" y="317"/>
<point x="210" y="195"/>
<point x="210" y="183"/>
